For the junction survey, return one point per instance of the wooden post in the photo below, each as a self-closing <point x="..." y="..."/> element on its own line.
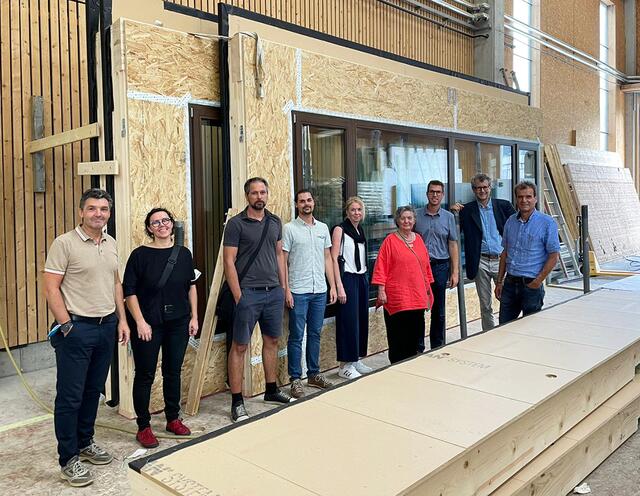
<point x="206" y="336"/>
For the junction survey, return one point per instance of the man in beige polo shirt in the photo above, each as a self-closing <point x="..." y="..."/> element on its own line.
<point x="84" y="293"/>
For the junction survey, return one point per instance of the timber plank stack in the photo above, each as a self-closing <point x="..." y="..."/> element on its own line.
<point x="463" y="420"/>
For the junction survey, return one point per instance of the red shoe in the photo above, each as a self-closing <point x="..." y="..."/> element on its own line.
<point x="178" y="428"/>
<point x="147" y="438"/>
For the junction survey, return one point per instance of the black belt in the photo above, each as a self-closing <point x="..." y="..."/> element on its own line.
<point x="438" y="261"/>
<point x="518" y="279"/>
<point x="263" y="288"/>
<point x="489" y="256"/>
<point x="94" y="320"/>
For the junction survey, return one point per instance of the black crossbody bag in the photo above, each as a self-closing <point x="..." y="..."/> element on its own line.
<point x="226" y="304"/>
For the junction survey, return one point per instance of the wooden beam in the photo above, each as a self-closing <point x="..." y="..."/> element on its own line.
<point x="206" y="336"/>
<point x="103" y="167"/>
<point x="84" y="132"/>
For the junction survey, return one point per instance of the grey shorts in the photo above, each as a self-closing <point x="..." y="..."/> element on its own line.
<point x="258" y="305"/>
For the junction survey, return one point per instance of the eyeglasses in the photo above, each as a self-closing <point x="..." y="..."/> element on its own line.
<point x="433" y="192"/>
<point x="157" y="223"/>
<point x="482" y="188"/>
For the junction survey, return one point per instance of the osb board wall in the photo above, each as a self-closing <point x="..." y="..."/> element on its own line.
<point x="614" y="227"/>
<point x="171" y="63"/>
<point x="157" y="168"/>
<point x="335" y="85"/>
<point x="267" y="125"/>
<point x="164" y="71"/>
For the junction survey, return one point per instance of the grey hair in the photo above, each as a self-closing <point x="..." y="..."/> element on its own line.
<point x="401" y="210"/>
<point x="480" y="178"/>
<point x="96" y="194"/>
<point x="525" y="185"/>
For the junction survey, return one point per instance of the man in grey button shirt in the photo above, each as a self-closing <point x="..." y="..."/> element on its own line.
<point x="438" y="230"/>
<point x="306" y="242"/>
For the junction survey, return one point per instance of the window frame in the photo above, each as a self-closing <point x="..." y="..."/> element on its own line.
<point x="350" y="127"/>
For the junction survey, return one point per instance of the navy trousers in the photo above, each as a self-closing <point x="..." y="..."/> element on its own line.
<point x="517" y="297"/>
<point x="352" y="319"/>
<point x="82" y="359"/>
<point x="437" y="326"/>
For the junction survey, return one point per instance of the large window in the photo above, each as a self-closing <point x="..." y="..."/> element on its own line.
<point x="390" y="166"/>
<point x="605" y="90"/>
<point x="522" y="53"/>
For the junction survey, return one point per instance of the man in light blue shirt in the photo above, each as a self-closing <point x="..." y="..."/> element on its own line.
<point x="306" y="243"/>
<point x="531" y="249"/>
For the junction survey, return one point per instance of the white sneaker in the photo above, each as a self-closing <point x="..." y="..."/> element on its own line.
<point x="349" y="372"/>
<point x="362" y="368"/>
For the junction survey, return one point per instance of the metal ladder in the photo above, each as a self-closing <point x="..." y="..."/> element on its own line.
<point x="568" y="267"/>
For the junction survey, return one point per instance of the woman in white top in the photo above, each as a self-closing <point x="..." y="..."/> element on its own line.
<point x="349" y="253"/>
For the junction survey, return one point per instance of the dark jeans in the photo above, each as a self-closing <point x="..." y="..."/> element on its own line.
<point x="172" y="337"/>
<point x="440" y="270"/>
<point x="404" y="330"/>
<point x="517" y="297"/>
<point x="82" y="360"/>
<point x="352" y="319"/>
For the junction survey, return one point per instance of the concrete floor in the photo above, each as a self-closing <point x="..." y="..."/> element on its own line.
<point x="27" y="443"/>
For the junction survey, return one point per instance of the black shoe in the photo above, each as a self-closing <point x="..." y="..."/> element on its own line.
<point x="239" y="413"/>
<point x="278" y="398"/>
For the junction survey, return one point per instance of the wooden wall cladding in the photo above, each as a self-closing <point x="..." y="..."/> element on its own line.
<point x="43" y="51"/>
<point x="369" y="23"/>
<point x="171" y="63"/>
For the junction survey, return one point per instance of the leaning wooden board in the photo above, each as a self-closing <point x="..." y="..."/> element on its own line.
<point x="461" y="420"/>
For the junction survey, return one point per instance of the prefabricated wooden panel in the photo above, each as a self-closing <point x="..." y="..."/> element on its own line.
<point x="41" y="53"/>
<point x="482" y="414"/>
<point x="335" y="85"/>
<point x="157" y="167"/>
<point x="477" y="114"/>
<point x="563" y="465"/>
<point x="370" y="23"/>
<point x="614" y="227"/>
<point x="576" y="155"/>
<point x="171" y="63"/>
<point x="268" y="123"/>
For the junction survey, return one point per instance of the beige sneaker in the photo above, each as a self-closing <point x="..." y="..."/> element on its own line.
<point x="319" y="381"/>
<point x="297" y="391"/>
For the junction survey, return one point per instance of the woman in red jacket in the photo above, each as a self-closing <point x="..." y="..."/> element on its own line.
<point x="403" y="276"/>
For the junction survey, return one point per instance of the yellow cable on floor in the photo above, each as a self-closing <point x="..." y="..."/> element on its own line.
<point x="48" y="409"/>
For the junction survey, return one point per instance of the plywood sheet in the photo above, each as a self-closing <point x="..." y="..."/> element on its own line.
<point x="557" y="354"/>
<point x="614" y="226"/>
<point x="423" y="405"/>
<point x="386" y="424"/>
<point x="170" y="63"/>
<point x="587" y="156"/>
<point x="342" y="435"/>
<point x="491" y="374"/>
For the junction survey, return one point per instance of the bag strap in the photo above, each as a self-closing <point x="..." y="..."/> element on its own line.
<point x="424" y="276"/>
<point x="265" y="230"/>
<point x="168" y="268"/>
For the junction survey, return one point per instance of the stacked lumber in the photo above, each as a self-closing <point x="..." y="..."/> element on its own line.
<point x="463" y="420"/>
<point x="600" y="180"/>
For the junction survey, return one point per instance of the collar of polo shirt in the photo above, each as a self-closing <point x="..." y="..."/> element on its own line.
<point x="84" y="237"/>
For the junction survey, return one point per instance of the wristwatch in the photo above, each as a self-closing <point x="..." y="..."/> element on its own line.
<point x="66" y="328"/>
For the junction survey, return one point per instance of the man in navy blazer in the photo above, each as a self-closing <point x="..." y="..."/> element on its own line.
<point x="482" y="222"/>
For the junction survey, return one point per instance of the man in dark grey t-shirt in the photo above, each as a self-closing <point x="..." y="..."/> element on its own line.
<point x="259" y="296"/>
